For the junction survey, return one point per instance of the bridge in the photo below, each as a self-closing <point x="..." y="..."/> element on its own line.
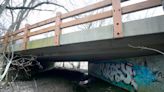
<point x="98" y="44"/>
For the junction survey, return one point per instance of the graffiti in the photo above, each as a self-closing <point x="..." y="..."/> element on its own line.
<point x="159" y="76"/>
<point x="136" y="74"/>
<point x="119" y="73"/>
<point x="126" y="74"/>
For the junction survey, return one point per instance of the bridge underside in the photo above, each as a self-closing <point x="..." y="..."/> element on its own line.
<point x="99" y="44"/>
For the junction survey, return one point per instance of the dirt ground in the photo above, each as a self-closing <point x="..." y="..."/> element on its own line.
<point x="58" y="81"/>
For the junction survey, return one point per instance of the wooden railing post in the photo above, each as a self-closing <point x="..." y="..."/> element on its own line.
<point x="57" y="29"/>
<point x="117" y="20"/>
<point x="162" y="3"/>
<point x="5" y="41"/>
<point x="26" y="38"/>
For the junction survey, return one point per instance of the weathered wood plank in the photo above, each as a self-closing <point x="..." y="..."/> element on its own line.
<point x="141" y="6"/>
<point x="41" y="31"/>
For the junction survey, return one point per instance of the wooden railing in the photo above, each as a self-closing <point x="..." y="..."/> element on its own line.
<point x="117" y="11"/>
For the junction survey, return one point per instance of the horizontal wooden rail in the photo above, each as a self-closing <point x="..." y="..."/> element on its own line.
<point x="106" y="14"/>
<point x="41" y="31"/>
<point x="42" y="23"/>
<point x="14" y="39"/>
<point x="141" y="6"/>
<point x="87" y="19"/>
<point x="17" y="32"/>
<point x="76" y="12"/>
<point x="95" y="6"/>
<point x="89" y="8"/>
<point x="79" y="11"/>
<point x="18" y="37"/>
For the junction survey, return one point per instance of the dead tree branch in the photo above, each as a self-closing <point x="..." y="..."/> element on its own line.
<point x="33" y="7"/>
<point x="146" y="48"/>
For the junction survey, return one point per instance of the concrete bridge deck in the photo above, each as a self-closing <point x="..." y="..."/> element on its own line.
<point x="98" y="43"/>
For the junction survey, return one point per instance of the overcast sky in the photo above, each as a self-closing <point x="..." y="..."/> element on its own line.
<point x="36" y="16"/>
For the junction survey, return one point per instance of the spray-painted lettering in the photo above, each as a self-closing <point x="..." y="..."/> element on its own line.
<point x="119" y="73"/>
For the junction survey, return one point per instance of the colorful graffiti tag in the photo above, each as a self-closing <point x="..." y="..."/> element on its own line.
<point x="119" y="73"/>
<point x="124" y="74"/>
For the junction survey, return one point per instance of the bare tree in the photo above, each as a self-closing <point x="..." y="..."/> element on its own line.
<point x="17" y="12"/>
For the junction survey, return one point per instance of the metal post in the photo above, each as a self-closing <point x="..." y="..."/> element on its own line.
<point x="117" y="20"/>
<point x="57" y="28"/>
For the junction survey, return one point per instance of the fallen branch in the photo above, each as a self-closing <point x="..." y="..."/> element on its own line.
<point x="146" y="48"/>
<point x="25" y="63"/>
